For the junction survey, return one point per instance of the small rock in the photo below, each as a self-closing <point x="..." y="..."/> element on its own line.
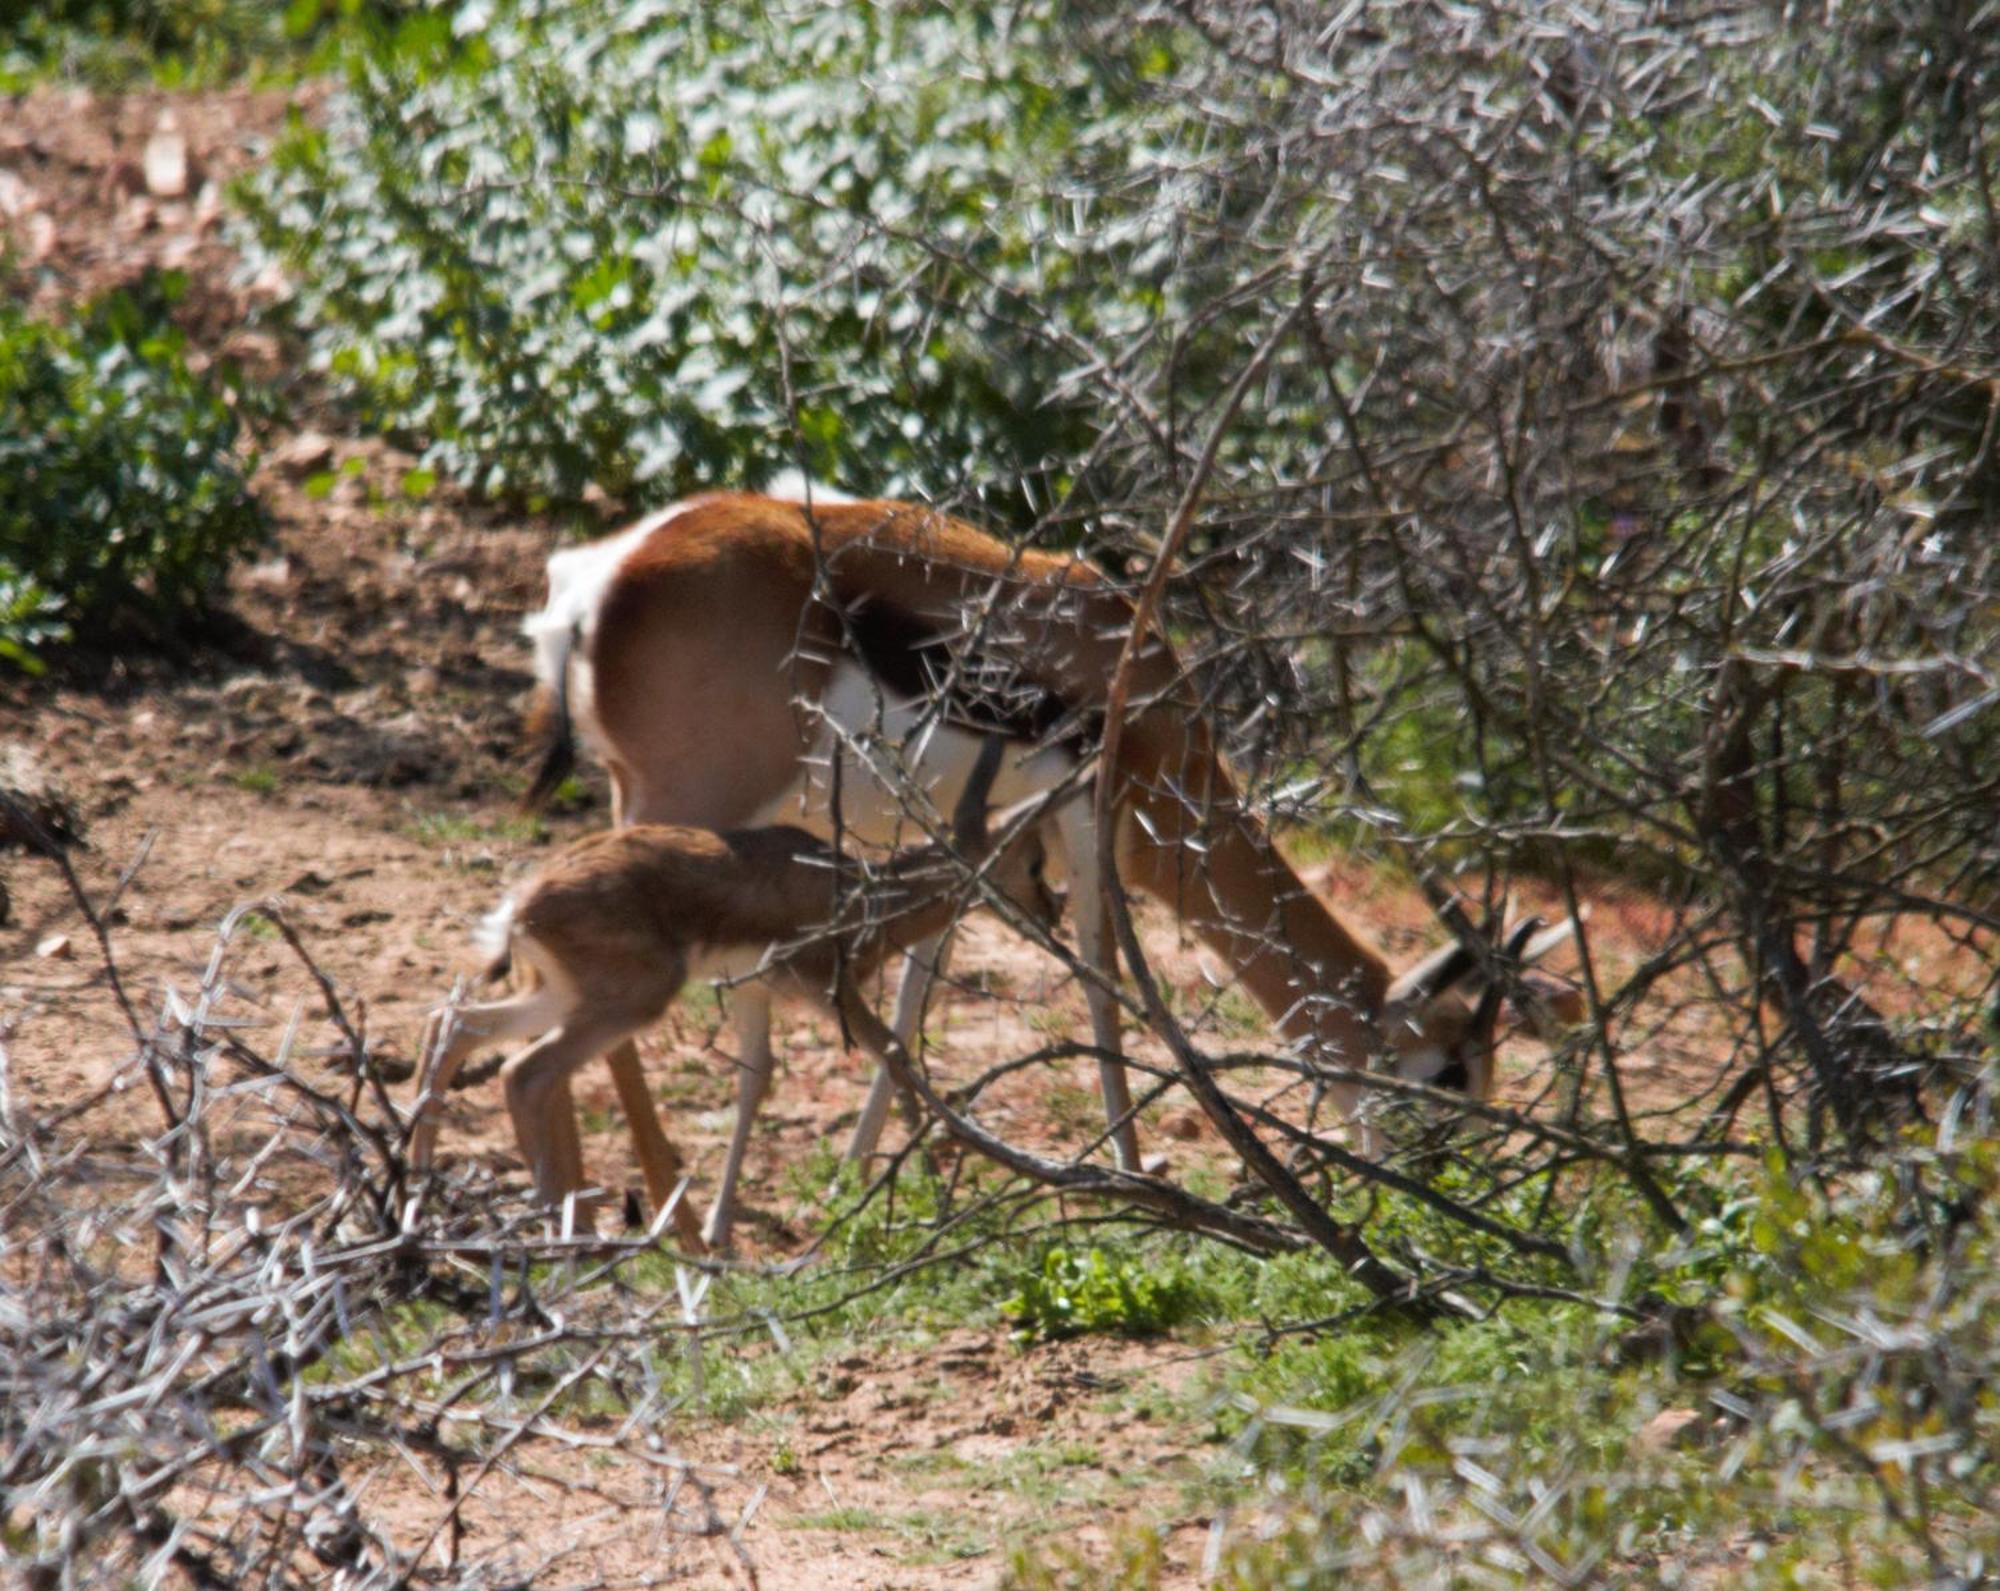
<point x="255" y="346"/>
<point x="54" y="948"/>
<point x="244" y="688"/>
<point x="138" y="216"/>
<point x="166" y="159"/>
<point x="308" y="453"/>
<point x="271" y="282"/>
<point x="38" y="809"/>
<point x="41" y="234"/>
<point x="1184" y="1125"/>
<point x="178" y="250"/>
<point x="16" y="197"/>
<point x="1670" y="1428"/>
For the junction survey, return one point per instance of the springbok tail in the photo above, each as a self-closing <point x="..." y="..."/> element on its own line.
<point x="551" y="721"/>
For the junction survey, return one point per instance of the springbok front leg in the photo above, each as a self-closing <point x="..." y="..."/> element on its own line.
<point x="1098" y="949"/>
<point x="922" y="967"/>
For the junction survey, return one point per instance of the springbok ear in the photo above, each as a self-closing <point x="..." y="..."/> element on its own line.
<point x="1526" y="943"/>
<point x="1516" y="946"/>
<point x="1486" y="1015"/>
<point x="1429" y="978"/>
<point x="1540" y="944"/>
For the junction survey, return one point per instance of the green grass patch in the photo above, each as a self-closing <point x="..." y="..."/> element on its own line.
<point x="444" y="829"/>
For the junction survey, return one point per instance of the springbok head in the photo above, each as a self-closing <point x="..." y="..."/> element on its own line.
<point x="1441" y="1017"/>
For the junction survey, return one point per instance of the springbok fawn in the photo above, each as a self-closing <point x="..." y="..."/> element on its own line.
<point x="615" y="925"/>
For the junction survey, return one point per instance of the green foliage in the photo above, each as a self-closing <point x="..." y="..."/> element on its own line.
<point x="1836" y="1352"/>
<point x="180" y="43"/>
<point x="122" y="499"/>
<point x="659" y="246"/>
<point x="1074" y="1292"/>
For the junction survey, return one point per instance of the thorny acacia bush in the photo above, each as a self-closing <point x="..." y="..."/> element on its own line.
<point x="123" y="500"/>
<point x="1593" y="415"/>
<point x="214" y="1333"/>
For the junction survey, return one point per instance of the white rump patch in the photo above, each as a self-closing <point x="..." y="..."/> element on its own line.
<point x="495" y="929"/>
<point x="577" y="578"/>
<point x="791" y="486"/>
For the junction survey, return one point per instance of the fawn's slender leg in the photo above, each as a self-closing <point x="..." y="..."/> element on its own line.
<point x="519" y="1016"/>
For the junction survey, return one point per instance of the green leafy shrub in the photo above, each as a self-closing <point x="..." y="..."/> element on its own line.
<point x="658" y="246"/>
<point x="122" y="499"/>
<point x="1075" y="1292"/>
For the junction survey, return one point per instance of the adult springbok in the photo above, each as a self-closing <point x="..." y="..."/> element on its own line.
<point x="739" y="659"/>
<point x="609" y="931"/>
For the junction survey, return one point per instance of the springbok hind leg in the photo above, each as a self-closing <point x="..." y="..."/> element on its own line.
<point x="659" y="1161"/>
<point x="536" y="1084"/>
<point x="490" y="1022"/>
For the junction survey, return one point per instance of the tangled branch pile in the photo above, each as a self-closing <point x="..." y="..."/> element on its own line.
<point x="224" y="1342"/>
